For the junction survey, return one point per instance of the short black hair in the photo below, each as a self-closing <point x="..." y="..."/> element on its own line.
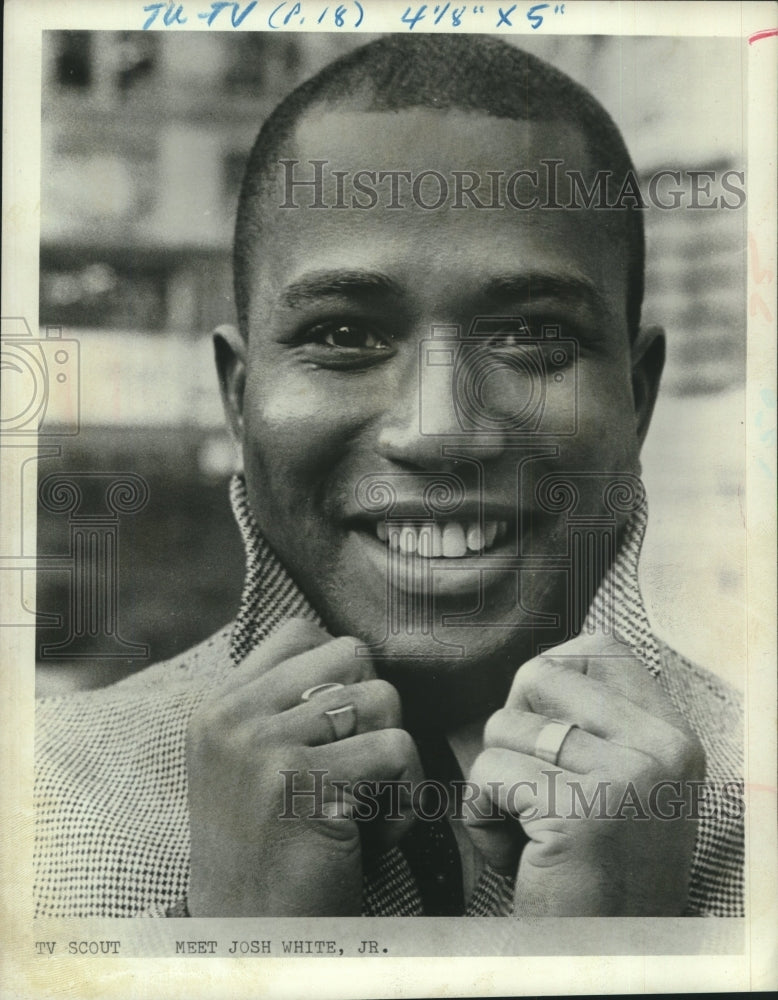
<point x="467" y="72"/>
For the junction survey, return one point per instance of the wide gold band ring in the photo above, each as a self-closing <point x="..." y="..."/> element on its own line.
<point x="343" y="720"/>
<point x="550" y="739"/>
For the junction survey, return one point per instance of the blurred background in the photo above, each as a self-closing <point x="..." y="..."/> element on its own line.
<point x="144" y="136"/>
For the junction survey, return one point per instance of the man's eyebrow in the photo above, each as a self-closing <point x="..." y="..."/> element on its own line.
<point x="328" y="284"/>
<point x="567" y="288"/>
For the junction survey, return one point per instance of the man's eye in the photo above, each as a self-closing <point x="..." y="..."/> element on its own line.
<point x="351" y="338"/>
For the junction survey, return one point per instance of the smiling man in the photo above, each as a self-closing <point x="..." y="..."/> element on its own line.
<point x="440" y="387"/>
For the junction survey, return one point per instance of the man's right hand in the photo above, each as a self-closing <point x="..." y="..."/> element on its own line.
<point x="246" y="860"/>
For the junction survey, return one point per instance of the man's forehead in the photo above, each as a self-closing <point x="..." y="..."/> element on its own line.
<point x="420" y="138"/>
<point x="460" y="247"/>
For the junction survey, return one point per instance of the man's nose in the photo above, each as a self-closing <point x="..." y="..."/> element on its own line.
<point x="425" y="414"/>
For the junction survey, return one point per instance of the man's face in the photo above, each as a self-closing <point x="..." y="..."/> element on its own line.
<point x="350" y="410"/>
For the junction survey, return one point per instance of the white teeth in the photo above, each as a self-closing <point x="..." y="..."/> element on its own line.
<point x="452" y="540"/>
<point x="475" y="538"/>
<point x="408" y="539"/>
<point x="454" y="544"/>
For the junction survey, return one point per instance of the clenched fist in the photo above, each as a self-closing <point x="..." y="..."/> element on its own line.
<point x="625" y="857"/>
<point x="246" y="860"/>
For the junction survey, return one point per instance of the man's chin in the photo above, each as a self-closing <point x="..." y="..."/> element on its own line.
<point x="443" y="697"/>
<point x="446" y="681"/>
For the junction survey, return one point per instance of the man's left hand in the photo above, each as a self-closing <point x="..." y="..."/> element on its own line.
<point x="624" y="858"/>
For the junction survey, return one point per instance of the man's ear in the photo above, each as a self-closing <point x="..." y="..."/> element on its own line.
<point x="648" y="360"/>
<point x="230" y="350"/>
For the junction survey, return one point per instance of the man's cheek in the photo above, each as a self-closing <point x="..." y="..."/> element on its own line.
<point x="315" y="403"/>
<point x="282" y="404"/>
<point x="605" y="436"/>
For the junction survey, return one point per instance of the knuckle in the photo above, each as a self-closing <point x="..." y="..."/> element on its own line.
<point x="363" y="664"/>
<point x="543" y="684"/>
<point x="387" y="700"/>
<point x="541" y="672"/>
<point x="360" y="667"/>
<point x="550" y="667"/>
<point x="525" y="680"/>
<point x="531" y="671"/>
<point x="690" y="758"/>
<point x="483" y="767"/>
<point x="400" y="745"/>
<point x="495" y="727"/>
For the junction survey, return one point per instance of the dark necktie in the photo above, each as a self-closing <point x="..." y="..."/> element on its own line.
<point x="431" y="848"/>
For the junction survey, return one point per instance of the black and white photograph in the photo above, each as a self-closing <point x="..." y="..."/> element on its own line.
<point x="388" y="445"/>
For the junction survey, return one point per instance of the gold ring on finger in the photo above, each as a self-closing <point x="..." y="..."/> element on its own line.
<point x="550" y="739"/>
<point x="343" y="721"/>
<point x="311" y="692"/>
